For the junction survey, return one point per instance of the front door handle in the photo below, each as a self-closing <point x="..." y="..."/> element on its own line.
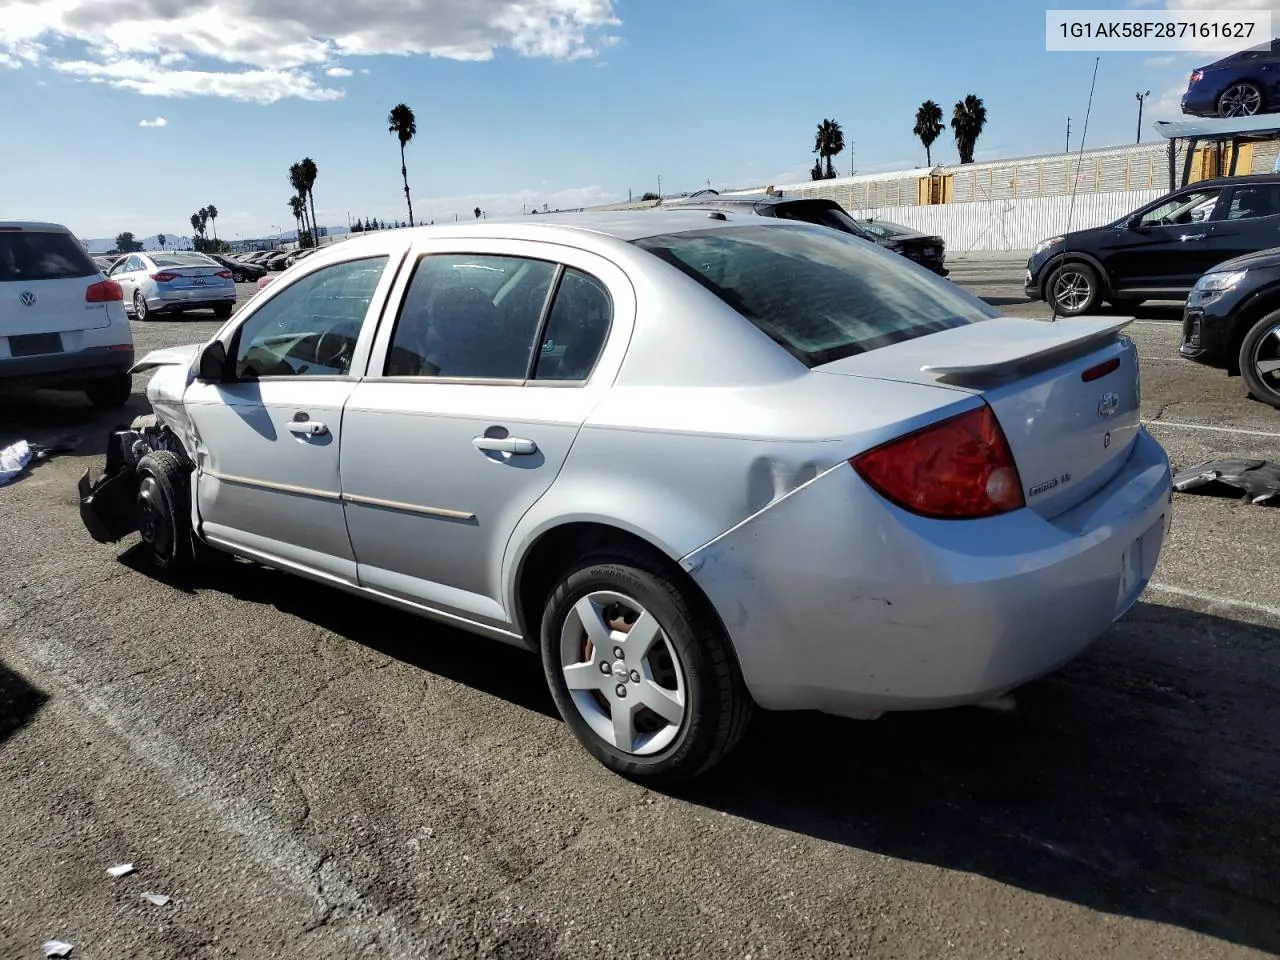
<point x="1192" y="236"/>
<point x="308" y="428"/>
<point x="516" y="446"/>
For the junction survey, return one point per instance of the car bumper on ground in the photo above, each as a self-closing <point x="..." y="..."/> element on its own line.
<point x="66" y="369"/>
<point x="888" y="611"/>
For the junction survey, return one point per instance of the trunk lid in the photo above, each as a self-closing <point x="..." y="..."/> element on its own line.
<point x="186" y="273"/>
<point x="1066" y="394"/>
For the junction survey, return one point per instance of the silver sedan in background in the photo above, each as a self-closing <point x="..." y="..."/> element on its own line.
<point x="702" y="463"/>
<point x="173" y="282"/>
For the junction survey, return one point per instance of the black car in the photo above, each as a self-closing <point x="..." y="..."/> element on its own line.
<point x="1232" y="320"/>
<point x="925" y="249"/>
<point x="1158" y="251"/>
<point x="929" y="252"/>
<point x="1240" y="85"/>
<point x="241" y="272"/>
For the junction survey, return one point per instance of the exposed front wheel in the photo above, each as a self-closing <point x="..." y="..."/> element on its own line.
<point x="1074" y="289"/>
<point x="1240" y="100"/>
<point x="110" y="392"/>
<point x="1260" y="359"/>
<point x="164" y="519"/>
<point x="641" y="673"/>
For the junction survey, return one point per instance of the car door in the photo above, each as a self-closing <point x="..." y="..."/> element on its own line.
<point x="125" y="273"/>
<point x="461" y="424"/>
<point x="270" y="431"/>
<point x="1165" y="247"/>
<point x="1250" y="222"/>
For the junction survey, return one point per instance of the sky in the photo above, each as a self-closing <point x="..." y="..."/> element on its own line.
<point x="132" y="114"/>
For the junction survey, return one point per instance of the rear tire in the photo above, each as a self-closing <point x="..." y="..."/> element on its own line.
<point x="223" y="310"/>
<point x="111" y="392"/>
<point x="164" y="517"/>
<point x="1261" y="348"/>
<point x="686" y="669"/>
<point x="1074" y="289"/>
<point x="139" y="305"/>
<point x="1241" y="100"/>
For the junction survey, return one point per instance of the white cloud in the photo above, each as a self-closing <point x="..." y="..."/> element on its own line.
<point x="273" y="45"/>
<point x="157" y="122"/>
<point x="339" y="72"/>
<point x="1166" y="60"/>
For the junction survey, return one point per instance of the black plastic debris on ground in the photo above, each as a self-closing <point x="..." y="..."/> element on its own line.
<point x="1257" y="481"/>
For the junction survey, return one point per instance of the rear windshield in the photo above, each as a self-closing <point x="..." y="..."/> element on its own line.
<point x="819" y="294"/>
<point x="28" y="255"/>
<point x="824" y="213"/>
<point x="182" y="260"/>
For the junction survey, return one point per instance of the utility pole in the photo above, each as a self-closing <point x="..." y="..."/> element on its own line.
<point x="659" y="186"/>
<point x="1142" y="97"/>
<point x="1068" y="150"/>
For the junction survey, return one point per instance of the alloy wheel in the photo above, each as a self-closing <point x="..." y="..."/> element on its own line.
<point x="1240" y="100"/>
<point x="139" y="305"/>
<point x="1072" y="290"/>
<point x="622" y="673"/>
<point x="1266" y="359"/>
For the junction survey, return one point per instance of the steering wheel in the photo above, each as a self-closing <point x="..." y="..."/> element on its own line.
<point x="336" y="345"/>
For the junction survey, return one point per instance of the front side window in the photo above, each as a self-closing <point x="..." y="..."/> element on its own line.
<point x="470" y="316"/>
<point x="819" y="294"/>
<point x="1190" y="207"/>
<point x="310" y="328"/>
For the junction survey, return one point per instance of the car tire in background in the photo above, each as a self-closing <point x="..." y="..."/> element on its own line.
<point x="223" y="310"/>
<point x="110" y="392"/>
<point x="687" y="668"/>
<point x="1073" y="289"/>
<point x="1241" y="100"/>
<point x="139" y="305"/>
<point x="1261" y="346"/>
<point x="164" y="516"/>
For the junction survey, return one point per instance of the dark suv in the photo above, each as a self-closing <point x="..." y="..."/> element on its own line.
<point x="1241" y="85"/>
<point x="1158" y="251"/>
<point x="928" y="251"/>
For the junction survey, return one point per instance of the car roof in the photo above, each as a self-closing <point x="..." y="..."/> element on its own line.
<point x="1237" y="180"/>
<point x="35" y="226"/>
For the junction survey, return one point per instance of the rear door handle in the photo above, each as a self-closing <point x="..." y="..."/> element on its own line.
<point x="516" y="446"/>
<point x="308" y="428"/>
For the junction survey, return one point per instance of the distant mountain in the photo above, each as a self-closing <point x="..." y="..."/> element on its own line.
<point x="174" y="241"/>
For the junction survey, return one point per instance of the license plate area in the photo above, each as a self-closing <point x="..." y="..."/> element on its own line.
<point x="1137" y="564"/>
<point x="35" y="344"/>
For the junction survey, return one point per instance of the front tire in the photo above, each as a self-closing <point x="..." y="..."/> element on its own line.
<point x="1074" y="289"/>
<point x="640" y="669"/>
<point x="1260" y="359"/>
<point x="1241" y="100"/>
<point x="164" y="518"/>
<point x="139" y="305"/>
<point x="111" y="392"/>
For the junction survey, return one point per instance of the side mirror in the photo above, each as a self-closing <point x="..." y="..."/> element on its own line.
<point x="213" y="363"/>
<point x="1135" y="223"/>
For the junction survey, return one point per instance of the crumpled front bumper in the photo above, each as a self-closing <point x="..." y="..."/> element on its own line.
<point x="107" y="504"/>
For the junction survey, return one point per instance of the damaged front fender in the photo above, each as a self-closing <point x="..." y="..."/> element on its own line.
<point x="108" y="505"/>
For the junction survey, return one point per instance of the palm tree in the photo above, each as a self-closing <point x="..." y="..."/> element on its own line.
<point x="161" y="239"/>
<point x="309" y="173"/>
<point x="297" y="180"/>
<point x="967" y="121"/>
<point x="213" y="217"/>
<point x="928" y="128"/>
<point x="195" y="223"/>
<point x="401" y="122"/>
<point x="298" y="207"/>
<point x="828" y="143"/>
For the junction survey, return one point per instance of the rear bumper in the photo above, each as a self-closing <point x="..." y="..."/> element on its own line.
<point x="895" y="612"/>
<point x="66" y="369"/>
<point x="191" y="299"/>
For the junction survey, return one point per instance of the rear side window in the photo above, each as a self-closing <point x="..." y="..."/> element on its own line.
<point x="819" y="294"/>
<point x="28" y="255"/>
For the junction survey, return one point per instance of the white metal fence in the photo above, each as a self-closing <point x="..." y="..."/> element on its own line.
<point x="1011" y="224"/>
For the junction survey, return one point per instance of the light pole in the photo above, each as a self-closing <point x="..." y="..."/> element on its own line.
<point x="659" y="186"/>
<point x="1142" y="97"/>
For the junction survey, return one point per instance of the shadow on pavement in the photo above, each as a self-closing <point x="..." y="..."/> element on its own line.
<point x="43" y="415"/>
<point x="1149" y="796"/>
<point x="19" y="702"/>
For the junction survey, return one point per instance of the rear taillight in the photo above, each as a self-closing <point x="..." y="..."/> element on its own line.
<point x="1197" y="76"/>
<point x="957" y="469"/>
<point x="1100" y="370"/>
<point x="164" y="276"/>
<point x="225" y="274"/>
<point x="104" y="291"/>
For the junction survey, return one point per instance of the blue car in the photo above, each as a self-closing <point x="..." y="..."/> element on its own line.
<point x="1241" y="85"/>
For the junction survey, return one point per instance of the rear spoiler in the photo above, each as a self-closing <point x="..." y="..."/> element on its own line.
<point x="1016" y="350"/>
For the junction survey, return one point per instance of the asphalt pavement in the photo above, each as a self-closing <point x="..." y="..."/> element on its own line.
<point x="310" y="775"/>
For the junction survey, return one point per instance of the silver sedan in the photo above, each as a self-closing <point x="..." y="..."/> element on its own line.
<point x="173" y="282"/>
<point x="701" y="463"/>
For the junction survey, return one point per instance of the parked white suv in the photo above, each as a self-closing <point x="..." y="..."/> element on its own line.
<point x="62" y="323"/>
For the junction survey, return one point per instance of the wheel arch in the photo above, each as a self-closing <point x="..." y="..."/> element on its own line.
<point x="1254" y="309"/>
<point x="1075" y="256"/>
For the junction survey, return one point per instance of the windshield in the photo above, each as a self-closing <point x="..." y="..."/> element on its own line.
<point x="822" y="213"/>
<point x="884" y="228"/>
<point x="821" y="295"/>
<point x="30" y="255"/>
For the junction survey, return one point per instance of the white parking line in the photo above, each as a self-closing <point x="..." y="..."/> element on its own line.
<point x="1262" y="608"/>
<point x="1204" y="426"/>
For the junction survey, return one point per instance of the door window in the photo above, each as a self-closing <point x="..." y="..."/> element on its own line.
<point x="576" y="328"/>
<point x="470" y="316"/>
<point x="1190" y="207"/>
<point x="1248" y="203"/>
<point x="310" y="328"/>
